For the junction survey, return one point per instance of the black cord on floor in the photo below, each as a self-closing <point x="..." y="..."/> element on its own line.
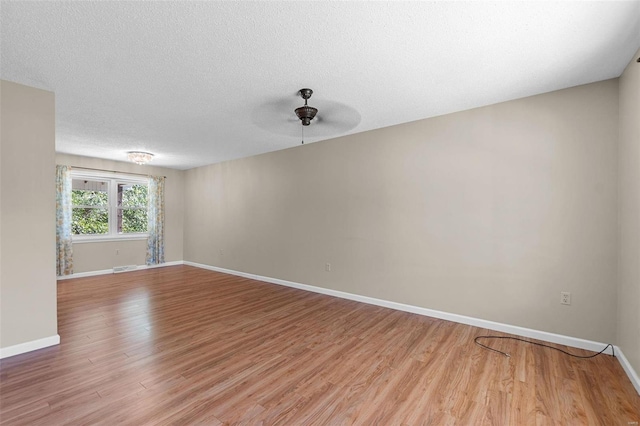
<point x="538" y="344"/>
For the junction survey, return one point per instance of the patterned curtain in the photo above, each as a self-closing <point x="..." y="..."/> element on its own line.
<point x="155" y="243"/>
<point x="64" y="247"/>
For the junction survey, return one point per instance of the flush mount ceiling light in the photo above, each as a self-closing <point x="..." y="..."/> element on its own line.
<point x="306" y="113"/>
<point x="139" y="157"/>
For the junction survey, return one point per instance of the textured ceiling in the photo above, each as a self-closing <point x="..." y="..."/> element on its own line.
<point x="203" y="82"/>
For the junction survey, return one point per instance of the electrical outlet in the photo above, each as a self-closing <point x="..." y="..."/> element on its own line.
<point x="327" y="267"/>
<point x="117" y="252"/>
<point x="221" y="252"/>
<point x="565" y="298"/>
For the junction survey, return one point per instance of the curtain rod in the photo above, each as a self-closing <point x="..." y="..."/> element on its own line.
<point x="111" y="171"/>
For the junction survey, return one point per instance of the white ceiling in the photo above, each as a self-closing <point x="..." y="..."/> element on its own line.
<point x="202" y="82"/>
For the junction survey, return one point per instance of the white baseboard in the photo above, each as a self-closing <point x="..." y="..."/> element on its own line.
<point x="631" y="373"/>
<point x="111" y="271"/>
<point x="29" y="346"/>
<point x="476" y="322"/>
<point x="85" y="274"/>
<point x="162" y="265"/>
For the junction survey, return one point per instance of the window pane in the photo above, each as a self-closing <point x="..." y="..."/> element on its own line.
<point x="89" y="220"/>
<point x="85" y="219"/>
<point x="132" y="208"/>
<point x="132" y="195"/>
<point x="89" y="193"/>
<point x="132" y="220"/>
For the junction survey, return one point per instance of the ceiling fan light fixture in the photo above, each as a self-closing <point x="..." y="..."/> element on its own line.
<point x="139" y="157"/>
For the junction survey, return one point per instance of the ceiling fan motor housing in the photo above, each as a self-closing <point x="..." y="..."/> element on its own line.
<point x="306" y="113"/>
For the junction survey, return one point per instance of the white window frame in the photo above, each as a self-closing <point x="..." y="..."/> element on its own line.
<point x="112" y="179"/>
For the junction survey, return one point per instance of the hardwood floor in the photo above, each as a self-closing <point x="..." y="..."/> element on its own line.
<point x="182" y="345"/>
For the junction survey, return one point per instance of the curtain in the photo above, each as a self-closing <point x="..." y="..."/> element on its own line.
<point x="64" y="247"/>
<point x="155" y="217"/>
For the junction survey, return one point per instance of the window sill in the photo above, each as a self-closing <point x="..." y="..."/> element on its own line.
<point x="108" y="238"/>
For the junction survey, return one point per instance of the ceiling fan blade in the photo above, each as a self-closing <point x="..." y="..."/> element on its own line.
<point x="339" y="117"/>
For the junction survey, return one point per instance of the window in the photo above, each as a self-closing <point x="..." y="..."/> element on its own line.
<point x="108" y="206"/>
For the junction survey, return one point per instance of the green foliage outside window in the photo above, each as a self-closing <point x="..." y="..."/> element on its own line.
<point x="134" y="209"/>
<point x="134" y="221"/>
<point x="89" y="220"/>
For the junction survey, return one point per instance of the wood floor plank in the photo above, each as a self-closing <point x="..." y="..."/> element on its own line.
<point x="183" y="345"/>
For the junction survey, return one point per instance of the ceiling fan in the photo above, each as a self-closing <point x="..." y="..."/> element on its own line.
<point x="329" y="119"/>
<point x="306" y="113"/>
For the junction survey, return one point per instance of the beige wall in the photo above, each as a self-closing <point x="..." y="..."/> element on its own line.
<point x="102" y="255"/>
<point x="28" y="264"/>
<point x="489" y="213"/>
<point x="629" y="192"/>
